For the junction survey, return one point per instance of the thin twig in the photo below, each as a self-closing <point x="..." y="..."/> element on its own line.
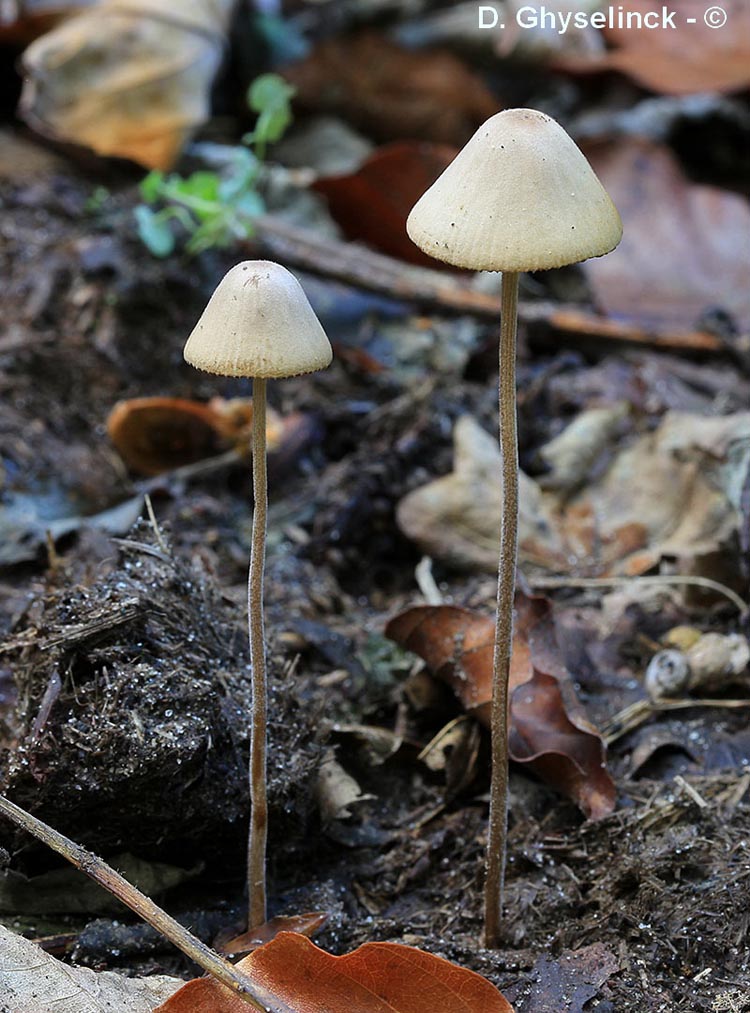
<point x="154" y="524"/>
<point x="667" y="579"/>
<point x="426" y="582"/>
<point x="637" y="713"/>
<point x="254" y="995"/>
<point x="446" y="292"/>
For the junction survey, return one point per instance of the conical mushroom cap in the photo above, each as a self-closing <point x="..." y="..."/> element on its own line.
<point x="520" y="196"/>
<point x="258" y="323"/>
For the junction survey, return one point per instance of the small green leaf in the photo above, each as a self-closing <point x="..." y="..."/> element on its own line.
<point x="154" y="231"/>
<point x="151" y="186"/>
<point x="269" y="95"/>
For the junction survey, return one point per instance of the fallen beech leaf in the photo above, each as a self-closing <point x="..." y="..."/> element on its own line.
<point x="157" y="434"/>
<point x="375" y="978"/>
<point x="125" y="80"/>
<point x="32" y="981"/>
<point x="698" y="57"/>
<point x="390" y="92"/>
<point x="685" y="247"/>
<point x="373" y="203"/>
<point x="308" y="924"/>
<point x="549" y="730"/>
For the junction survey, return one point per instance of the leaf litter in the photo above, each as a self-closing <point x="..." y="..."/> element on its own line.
<point x="660" y="883"/>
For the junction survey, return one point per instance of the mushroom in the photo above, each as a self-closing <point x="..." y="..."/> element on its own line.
<point x="520" y="196"/>
<point x="259" y="324"/>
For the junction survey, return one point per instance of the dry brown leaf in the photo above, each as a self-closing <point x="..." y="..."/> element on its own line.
<point x="685" y="247"/>
<point x="686" y="60"/>
<point x="32" y="981"/>
<point x="129" y="78"/>
<point x="375" y="978"/>
<point x="549" y="730"/>
<point x="373" y="203"/>
<point x="156" y="434"/>
<point x="390" y="92"/>
<point x="670" y="492"/>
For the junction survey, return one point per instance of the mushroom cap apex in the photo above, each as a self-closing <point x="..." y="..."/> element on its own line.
<point x="519" y="196"/>
<point x="258" y="323"/>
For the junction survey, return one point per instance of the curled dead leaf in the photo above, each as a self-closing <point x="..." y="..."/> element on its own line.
<point x="549" y="729"/>
<point x="124" y="79"/>
<point x="308" y="924"/>
<point x="156" y="434"/>
<point x="456" y="518"/>
<point x="375" y="978"/>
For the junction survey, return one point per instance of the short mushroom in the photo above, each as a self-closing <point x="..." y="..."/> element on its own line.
<point x="259" y="324"/>
<point x="520" y="196"/>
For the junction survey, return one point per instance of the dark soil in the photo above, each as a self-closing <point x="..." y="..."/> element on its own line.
<point x="128" y="662"/>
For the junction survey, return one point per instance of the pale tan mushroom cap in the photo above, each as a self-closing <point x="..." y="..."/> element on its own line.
<point x="520" y="196"/>
<point x="258" y="323"/>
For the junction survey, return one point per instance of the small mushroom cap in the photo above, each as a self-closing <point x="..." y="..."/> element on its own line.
<point x="520" y="196"/>
<point x="258" y="323"/>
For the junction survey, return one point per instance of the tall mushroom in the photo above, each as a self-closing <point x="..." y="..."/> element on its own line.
<point x="520" y="196"/>
<point x="259" y="324"/>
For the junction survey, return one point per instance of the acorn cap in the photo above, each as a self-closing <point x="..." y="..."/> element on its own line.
<point x="258" y="323"/>
<point x="520" y="196"/>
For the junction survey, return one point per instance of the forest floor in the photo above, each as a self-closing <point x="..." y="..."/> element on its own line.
<point x="125" y="672"/>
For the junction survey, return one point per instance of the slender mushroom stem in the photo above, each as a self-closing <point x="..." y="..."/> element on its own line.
<point x="506" y="578"/>
<point x="254" y="994"/>
<point x="256" y="851"/>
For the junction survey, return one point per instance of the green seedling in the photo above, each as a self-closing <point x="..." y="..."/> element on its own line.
<point x="216" y="209"/>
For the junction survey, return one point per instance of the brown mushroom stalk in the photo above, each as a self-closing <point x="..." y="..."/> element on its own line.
<point x="258" y="324"/>
<point x="520" y="196"/>
<point x="506" y="583"/>
<point x="258" y="835"/>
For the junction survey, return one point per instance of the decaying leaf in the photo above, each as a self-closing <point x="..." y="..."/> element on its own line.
<point x="373" y="203"/>
<point x="670" y="492"/>
<point x="126" y="80"/>
<point x="571" y="456"/>
<point x="375" y="978"/>
<point x="336" y="791"/>
<point x="391" y="92"/>
<point x="685" y="247"/>
<point x="701" y="54"/>
<point x="31" y="981"/>
<point x="156" y="434"/>
<point x="549" y="730"/>
<point x="457" y="518"/>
